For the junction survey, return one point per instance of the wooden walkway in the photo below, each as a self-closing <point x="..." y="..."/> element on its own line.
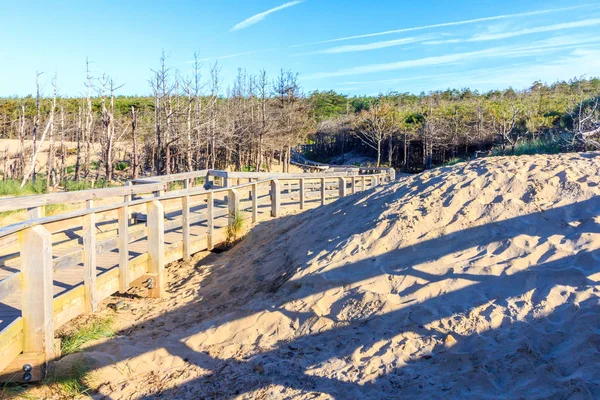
<point x="70" y="242"/>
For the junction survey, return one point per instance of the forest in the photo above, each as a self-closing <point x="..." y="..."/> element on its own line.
<point x="200" y="122"/>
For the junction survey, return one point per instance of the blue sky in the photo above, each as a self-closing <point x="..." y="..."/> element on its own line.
<point x="354" y="47"/>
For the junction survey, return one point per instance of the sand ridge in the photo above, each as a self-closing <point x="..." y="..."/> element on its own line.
<point x="479" y="280"/>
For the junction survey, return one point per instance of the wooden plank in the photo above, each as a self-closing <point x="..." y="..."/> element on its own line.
<point x="9" y="285"/>
<point x="89" y="262"/>
<point x="68" y="260"/>
<point x="123" y="249"/>
<point x="254" y="203"/>
<point x="322" y="191"/>
<point x="184" y="176"/>
<point x="37" y="291"/>
<point x="217" y="173"/>
<point x="275" y="198"/>
<point x="286" y="175"/>
<point x="210" y="221"/>
<point x="71" y="303"/>
<point x="11" y="342"/>
<point x="26" y="202"/>
<point x="156" y="246"/>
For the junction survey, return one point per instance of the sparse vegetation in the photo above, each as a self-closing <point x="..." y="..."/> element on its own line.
<point x="12" y="187"/>
<point x="71" y="186"/>
<point x="97" y="327"/>
<point x="453" y="161"/>
<point x="235" y="228"/>
<point x="530" y="147"/>
<point x="70" y="383"/>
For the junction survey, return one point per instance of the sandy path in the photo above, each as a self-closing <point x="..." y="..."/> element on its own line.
<point x="479" y="280"/>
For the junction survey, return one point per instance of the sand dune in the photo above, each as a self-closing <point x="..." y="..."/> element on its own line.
<point x="479" y="280"/>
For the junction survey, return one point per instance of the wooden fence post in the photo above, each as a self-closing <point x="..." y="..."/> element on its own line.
<point x="342" y="187"/>
<point x="275" y="198"/>
<point x="37" y="292"/>
<point x="362" y="183"/>
<point x="322" y="191"/>
<point x="127" y="198"/>
<point x="36" y="212"/>
<point x="123" y="217"/>
<point x="156" y="247"/>
<point x="302" y="194"/>
<point x="226" y="183"/>
<point x="89" y="262"/>
<point x="254" y="203"/>
<point x="185" y="223"/>
<point x="210" y="221"/>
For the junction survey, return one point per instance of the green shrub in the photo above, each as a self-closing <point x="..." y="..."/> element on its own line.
<point x="537" y="146"/>
<point x="12" y="187"/>
<point x="530" y="147"/>
<point x="121" y="166"/>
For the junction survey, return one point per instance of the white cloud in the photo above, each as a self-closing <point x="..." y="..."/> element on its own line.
<point x="535" y="48"/>
<point x="506" y="35"/>
<point x="369" y="46"/>
<point x="446" y="24"/>
<point x="245" y="53"/>
<point x="259" y="17"/>
<point x="579" y="62"/>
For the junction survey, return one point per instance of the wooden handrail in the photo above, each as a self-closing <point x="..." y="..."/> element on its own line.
<point x="25" y="202"/>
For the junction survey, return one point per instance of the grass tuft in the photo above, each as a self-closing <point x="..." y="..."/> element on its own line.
<point x="72" y="382"/>
<point x="97" y="328"/>
<point x="235" y="228"/>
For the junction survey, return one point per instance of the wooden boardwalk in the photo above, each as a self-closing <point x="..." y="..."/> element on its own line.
<point x="70" y="242"/>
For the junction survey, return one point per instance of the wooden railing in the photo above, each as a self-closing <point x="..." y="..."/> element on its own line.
<point x="65" y="265"/>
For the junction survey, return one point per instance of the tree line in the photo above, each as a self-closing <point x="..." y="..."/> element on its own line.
<point x="192" y="122"/>
<point x="188" y="123"/>
<point x="416" y="132"/>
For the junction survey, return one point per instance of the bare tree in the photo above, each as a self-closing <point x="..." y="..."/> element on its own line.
<point x="49" y="124"/>
<point x="374" y="126"/>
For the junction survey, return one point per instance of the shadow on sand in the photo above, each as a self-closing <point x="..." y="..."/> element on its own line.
<point x="539" y="349"/>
